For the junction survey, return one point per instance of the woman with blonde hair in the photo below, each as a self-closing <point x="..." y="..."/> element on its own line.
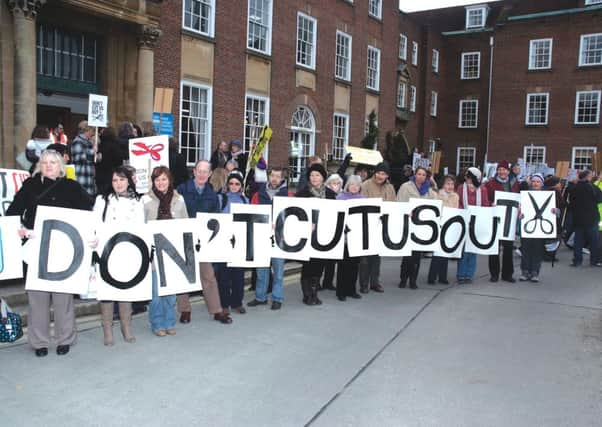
<point x="218" y="179"/>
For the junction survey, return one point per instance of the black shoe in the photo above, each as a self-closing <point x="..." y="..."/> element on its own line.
<point x="431" y="282"/>
<point x="494" y="279"/>
<point x="61" y="350"/>
<point x="256" y="302"/>
<point x="342" y="298"/>
<point x="329" y="287"/>
<point x="402" y="285"/>
<point x="364" y="290"/>
<point x="413" y="286"/>
<point x="276" y="305"/>
<point x="443" y="282"/>
<point x="509" y="279"/>
<point x="377" y="288"/>
<point x="356" y="296"/>
<point x="41" y="352"/>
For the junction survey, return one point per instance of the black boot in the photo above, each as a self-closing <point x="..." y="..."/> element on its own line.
<point x="315" y="283"/>
<point x="306" y="289"/>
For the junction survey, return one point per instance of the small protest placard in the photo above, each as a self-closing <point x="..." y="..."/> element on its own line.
<point x="145" y="155"/>
<point x="97" y="110"/>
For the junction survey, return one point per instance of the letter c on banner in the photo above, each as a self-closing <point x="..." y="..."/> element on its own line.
<point x="124" y="237"/>
<point x="279" y="229"/>
<point x="451" y="249"/>
<point x="78" y="250"/>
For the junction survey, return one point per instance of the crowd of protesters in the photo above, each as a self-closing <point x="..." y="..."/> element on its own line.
<point x="106" y="184"/>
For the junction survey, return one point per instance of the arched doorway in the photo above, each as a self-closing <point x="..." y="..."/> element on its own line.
<point x="302" y="140"/>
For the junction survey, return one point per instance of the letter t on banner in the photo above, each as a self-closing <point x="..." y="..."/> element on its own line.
<point x="509" y="202"/>
<point x="251" y="235"/>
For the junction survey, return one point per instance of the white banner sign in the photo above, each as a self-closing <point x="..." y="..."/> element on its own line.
<point x="484" y="230"/>
<point x="395" y="229"/>
<point x="538" y="212"/>
<point x="213" y="235"/>
<point x="252" y="235"/>
<point x="453" y="233"/>
<point x="97" y="110"/>
<point x="145" y="155"/>
<point x="424" y="227"/>
<point x="292" y="225"/>
<point x="363" y="227"/>
<point x="510" y="203"/>
<point x="11" y="266"/>
<point x="11" y="181"/>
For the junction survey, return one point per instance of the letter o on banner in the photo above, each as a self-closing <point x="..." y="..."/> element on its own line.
<point x="132" y="239"/>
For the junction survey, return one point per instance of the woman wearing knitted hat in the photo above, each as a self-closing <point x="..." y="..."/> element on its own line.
<point x="471" y="193"/>
<point x="311" y="270"/>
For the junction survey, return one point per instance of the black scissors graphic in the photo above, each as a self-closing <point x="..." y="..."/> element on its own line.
<point x="545" y="225"/>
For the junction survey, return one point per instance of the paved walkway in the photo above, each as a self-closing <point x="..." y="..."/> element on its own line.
<point x="477" y="355"/>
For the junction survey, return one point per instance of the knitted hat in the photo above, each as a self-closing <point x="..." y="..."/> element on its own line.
<point x="537" y="176"/>
<point x="235" y="175"/>
<point x="504" y="164"/>
<point x="475" y="175"/>
<point x="383" y="167"/>
<point x="317" y="167"/>
<point x="237" y="143"/>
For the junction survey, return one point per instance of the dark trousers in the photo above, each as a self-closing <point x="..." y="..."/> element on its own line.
<point x="369" y="271"/>
<point x="438" y="269"/>
<point x="347" y="271"/>
<point x="585" y="235"/>
<point x="507" y="262"/>
<point x="329" y="266"/>
<point x="231" y="282"/>
<point x="532" y="256"/>
<point x="312" y="268"/>
<point x="410" y="266"/>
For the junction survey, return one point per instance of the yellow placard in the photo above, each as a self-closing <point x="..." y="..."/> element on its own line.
<point x="70" y="171"/>
<point x="364" y="156"/>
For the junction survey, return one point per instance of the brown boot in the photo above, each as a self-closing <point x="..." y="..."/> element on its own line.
<point x="125" y="315"/>
<point x="106" y="315"/>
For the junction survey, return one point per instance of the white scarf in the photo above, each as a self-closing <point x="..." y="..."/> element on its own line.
<point x="465" y="195"/>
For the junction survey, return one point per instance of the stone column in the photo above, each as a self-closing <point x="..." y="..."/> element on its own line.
<point x="147" y="39"/>
<point x="24" y="16"/>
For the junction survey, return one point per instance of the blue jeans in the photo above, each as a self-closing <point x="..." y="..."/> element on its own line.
<point x="583" y="235"/>
<point x="467" y="266"/>
<point x="161" y="310"/>
<point x="263" y="279"/>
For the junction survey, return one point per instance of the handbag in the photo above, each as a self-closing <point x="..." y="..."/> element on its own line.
<point x="92" y="283"/>
<point x="10" y="324"/>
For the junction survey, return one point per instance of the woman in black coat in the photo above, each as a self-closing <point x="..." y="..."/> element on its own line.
<point x="311" y="270"/>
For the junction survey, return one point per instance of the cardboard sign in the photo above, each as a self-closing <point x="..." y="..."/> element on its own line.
<point x="10" y="248"/>
<point x="538" y="214"/>
<point x="328" y="228"/>
<point x="509" y="203"/>
<point x="145" y="155"/>
<point x="251" y="233"/>
<point x="292" y="228"/>
<point x="483" y="230"/>
<point x="364" y="155"/>
<point x="11" y="181"/>
<point x="213" y="234"/>
<point x="424" y="226"/>
<point x="363" y="226"/>
<point x="453" y="232"/>
<point x="97" y="110"/>
<point x="395" y="229"/>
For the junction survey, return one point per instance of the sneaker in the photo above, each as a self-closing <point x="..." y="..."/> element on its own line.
<point x="598" y="264"/>
<point x="517" y="252"/>
<point x="256" y="302"/>
<point x="276" y="305"/>
<point x="585" y="251"/>
<point x="534" y="279"/>
<point x="523" y="278"/>
<point x="461" y="281"/>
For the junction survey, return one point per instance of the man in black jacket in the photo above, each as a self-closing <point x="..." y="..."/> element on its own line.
<point x="583" y="201"/>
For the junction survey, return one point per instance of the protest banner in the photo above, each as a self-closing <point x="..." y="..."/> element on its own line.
<point x="145" y="155"/>
<point x="124" y="272"/>
<point x="292" y="228"/>
<point x="424" y="226"/>
<point x="213" y="235"/>
<point x="363" y="227"/>
<point x="510" y="203"/>
<point x="538" y="213"/>
<point x="328" y="221"/>
<point x="453" y="233"/>
<point x="61" y="252"/>
<point x="251" y="235"/>
<point x="97" y="110"/>
<point x="395" y="229"/>
<point x="484" y="230"/>
<point x="10" y="248"/>
<point x="11" y="181"/>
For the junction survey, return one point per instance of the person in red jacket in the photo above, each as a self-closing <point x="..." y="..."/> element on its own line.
<point x="502" y="181"/>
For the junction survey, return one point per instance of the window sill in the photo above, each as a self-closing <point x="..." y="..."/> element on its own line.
<point x="539" y="70"/>
<point x="589" y="66"/>
<point x="469" y="78"/>
<point x="373" y="91"/>
<point x="468" y="127"/>
<point x="586" y="125"/>
<point x="199" y="36"/>
<point x="343" y="81"/>
<point x="376" y="18"/>
<point x="259" y="54"/>
<point x="536" y="126"/>
<point x="305" y="68"/>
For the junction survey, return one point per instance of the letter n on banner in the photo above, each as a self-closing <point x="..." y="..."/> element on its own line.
<point x="61" y="255"/>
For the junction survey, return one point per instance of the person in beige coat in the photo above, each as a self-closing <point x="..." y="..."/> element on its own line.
<point x="419" y="186"/>
<point x="378" y="186"/>
<point x="163" y="202"/>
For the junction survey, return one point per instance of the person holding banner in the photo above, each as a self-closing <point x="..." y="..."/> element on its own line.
<point x="83" y="152"/>
<point x="120" y="203"/>
<point x="163" y="202"/>
<point x="502" y="181"/>
<point x="200" y="197"/>
<point x="335" y="183"/>
<point x="48" y="187"/>
<point x="311" y="270"/>
<point x="418" y="187"/>
<point x="231" y="280"/>
<point x="379" y="187"/>
<point x="471" y="193"/>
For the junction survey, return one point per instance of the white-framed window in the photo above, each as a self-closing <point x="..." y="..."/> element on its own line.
<point x="540" y="54"/>
<point x="307" y="29"/>
<point x="537" y="108"/>
<point x="199" y="16"/>
<point x="468" y="116"/>
<point x="413" y="99"/>
<point x="590" y="50"/>
<point x="342" y="66"/>
<point x="590" y="2"/>
<point x="373" y="76"/>
<point x="434" y="97"/>
<point x="302" y="140"/>
<point x="465" y="158"/>
<point x="257" y="115"/>
<point x="587" y="107"/>
<point x="476" y="16"/>
<point x="435" y="61"/>
<point x="471" y="65"/>
<point x="195" y="121"/>
<point x="403" y="47"/>
<point x="259" y="26"/>
<point x="414" y="53"/>
<point x="375" y="8"/>
<point x="534" y="154"/>
<point x="340" y="135"/>
<point x="583" y="157"/>
<point x="401" y="94"/>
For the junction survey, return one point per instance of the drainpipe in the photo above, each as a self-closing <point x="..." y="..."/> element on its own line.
<point x="489" y="101"/>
